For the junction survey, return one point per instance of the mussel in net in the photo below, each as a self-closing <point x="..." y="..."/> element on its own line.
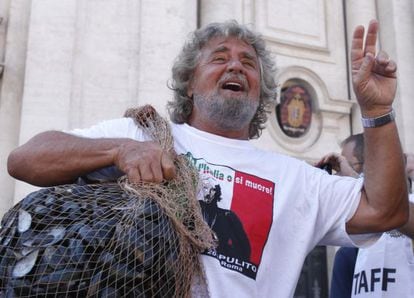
<point x="86" y="241"/>
<point x="54" y="257"/>
<point x="9" y="235"/>
<point x="25" y="264"/>
<point x="46" y="238"/>
<point x="24" y="221"/>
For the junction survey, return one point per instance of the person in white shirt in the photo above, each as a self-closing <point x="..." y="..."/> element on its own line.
<point x="223" y="82"/>
<point x="385" y="269"/>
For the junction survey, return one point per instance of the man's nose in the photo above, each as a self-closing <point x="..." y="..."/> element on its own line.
<point x="235" y="66"/>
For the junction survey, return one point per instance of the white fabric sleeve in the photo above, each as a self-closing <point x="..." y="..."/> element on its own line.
<point x="361" y="240"/>
<point x="339" y="198"/>
<point x="357" y="238"/>
<point x="115" y="128"/>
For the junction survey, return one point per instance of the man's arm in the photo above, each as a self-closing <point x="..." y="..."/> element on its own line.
<point x="53" y="158"/>
<point x="384" y="203"/>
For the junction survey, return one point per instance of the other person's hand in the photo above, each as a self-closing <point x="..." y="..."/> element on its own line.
<point x="339" y="164"/>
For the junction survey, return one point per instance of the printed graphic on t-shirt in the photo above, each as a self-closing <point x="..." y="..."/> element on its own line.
<point x="239" y="209"/>
<point x="385" y="269"/>
<point x="373" y="280"/>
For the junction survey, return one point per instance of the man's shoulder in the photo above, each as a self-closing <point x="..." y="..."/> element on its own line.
<point x="113" y="128"/>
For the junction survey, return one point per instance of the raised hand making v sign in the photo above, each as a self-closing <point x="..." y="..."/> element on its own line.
<point x="374" y="82"/>
<point x="373" y="76"/>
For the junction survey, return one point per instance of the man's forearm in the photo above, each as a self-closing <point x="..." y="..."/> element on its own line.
<point x="384" y="199"/>
<point x="52" y="158"/>
<point x="385" y="181"/>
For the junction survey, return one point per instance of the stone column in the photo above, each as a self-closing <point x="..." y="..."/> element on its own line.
<point x="357" y="13"/>
<point x="223" y="10"/>
<point x="13" y="33"/>
<point x="397" y="38"/>
<point x="48" y="77"/>
<point x="164" y="27"/>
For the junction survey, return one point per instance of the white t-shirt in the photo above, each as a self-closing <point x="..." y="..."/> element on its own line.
<point x="268" y="210"/>
<point x="386" y="269"/>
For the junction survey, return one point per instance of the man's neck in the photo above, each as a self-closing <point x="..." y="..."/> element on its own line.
<point x="199" y="121"/>
<point x="242" y="134"/>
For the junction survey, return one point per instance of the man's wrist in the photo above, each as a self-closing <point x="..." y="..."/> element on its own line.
<point x="371" y="122"/>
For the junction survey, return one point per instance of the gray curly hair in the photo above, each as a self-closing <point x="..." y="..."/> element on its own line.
<point x="183" y="70"/>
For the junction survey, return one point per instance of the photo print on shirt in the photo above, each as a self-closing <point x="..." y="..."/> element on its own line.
<point x="239" y="209"/>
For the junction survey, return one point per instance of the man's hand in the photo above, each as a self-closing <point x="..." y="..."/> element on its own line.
<point x="339" y="164"/>
<point x="373" y="76"/>
<point x="53" y="158"/>
<point x="144" y="161"/>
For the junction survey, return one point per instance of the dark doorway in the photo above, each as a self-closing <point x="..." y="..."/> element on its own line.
<point x="313" y="280"/>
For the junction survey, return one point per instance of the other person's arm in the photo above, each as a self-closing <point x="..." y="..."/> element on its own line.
<point x="339" y="164"/>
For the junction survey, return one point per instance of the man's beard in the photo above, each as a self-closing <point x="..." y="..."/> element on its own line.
<point x="227" y="113"/>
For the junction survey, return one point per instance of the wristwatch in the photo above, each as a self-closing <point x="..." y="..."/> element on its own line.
<point x="378" y="121"/>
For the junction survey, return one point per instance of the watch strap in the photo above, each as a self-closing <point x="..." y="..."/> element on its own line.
<point x="378" y="121"/>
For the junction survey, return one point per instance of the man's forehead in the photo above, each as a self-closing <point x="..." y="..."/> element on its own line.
<point x="223" y="44"/>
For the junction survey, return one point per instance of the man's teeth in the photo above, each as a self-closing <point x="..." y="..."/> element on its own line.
<point x="233" y="86"/>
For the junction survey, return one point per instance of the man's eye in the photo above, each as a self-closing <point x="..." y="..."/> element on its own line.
<point x="219" y="59"/>
<point x="249" y="63"/>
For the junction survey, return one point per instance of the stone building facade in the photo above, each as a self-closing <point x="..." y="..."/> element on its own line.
<point x="71" y="63"/>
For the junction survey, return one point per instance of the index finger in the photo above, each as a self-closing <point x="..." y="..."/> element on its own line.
<point x="358" y="48"/>
<point x="133" y="175"/>
<point x="371" y="39"/>
<point x="168" y="167"/>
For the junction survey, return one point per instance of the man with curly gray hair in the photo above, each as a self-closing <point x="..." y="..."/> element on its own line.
<point x="187" y="61"/>
<point x="273" y="209"/>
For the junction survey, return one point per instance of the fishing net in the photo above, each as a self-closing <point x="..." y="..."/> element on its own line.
<point x="110" y="239"/>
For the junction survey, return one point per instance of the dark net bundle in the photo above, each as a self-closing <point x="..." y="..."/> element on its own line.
<point x="109" y="239"/>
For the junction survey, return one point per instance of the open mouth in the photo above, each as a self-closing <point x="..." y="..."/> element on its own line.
<point x="233" y="86"/>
